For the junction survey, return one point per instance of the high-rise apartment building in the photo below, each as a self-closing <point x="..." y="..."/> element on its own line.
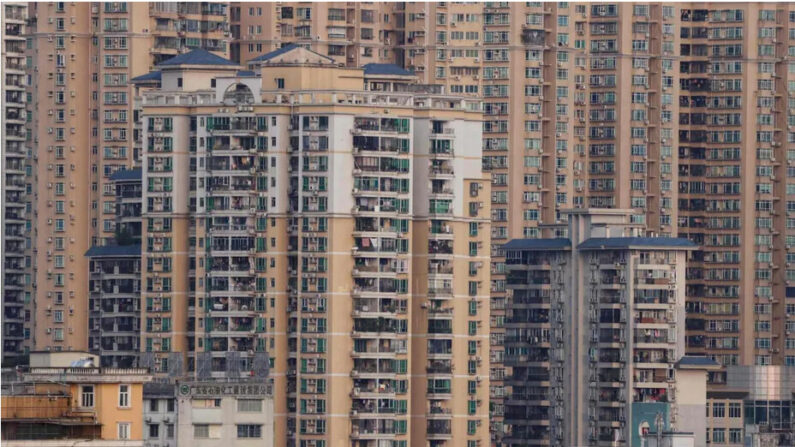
<point x="15" y="151"/>
<point x="115" y="280"/>
<point x="595" y="334"/>
<point x="351" y="33"/>
<point x="736" y="135"/>
<point x="294" y="211"/>
<point x="82" y="57"/>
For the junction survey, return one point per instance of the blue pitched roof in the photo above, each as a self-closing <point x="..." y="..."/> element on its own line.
<point x="538" y="244"/>
<point x="386" y="69"/>
<point x="274" y="53"/>
<point x="151" y="76"/>
<point x="596" y="243"/>
<point x="127" y="174"/>
<point x="197" y="57"/>
<point x="246" y="74"/>
<point x="697" y="360"/>
<point x="115" y="250"/>
<point x="282" y="50"/>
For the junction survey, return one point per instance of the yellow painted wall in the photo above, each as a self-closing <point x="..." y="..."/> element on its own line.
<point x="106" y="405"/>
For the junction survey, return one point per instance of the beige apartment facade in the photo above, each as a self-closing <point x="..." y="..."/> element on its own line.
<point x="81" y="58"/>
<point x="352" y="33"/>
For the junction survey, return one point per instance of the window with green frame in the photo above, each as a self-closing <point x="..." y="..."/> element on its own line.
<point x="473" y="249"/>
<point x="400" y="366"/>
<point x="400" y="426"/>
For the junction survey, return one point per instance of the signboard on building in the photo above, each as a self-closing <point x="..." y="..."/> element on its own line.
<point x="218" y="390"/>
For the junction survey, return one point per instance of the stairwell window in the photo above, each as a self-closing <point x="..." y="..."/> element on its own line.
<point x="124" y="396"/>
<point x="87" y="396"/>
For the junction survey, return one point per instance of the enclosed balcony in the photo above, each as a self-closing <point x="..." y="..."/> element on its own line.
<point x="652" y="336"/>
<point x="378" y="348"/>
<point x="373" y="429"/>
<point x="378" y="327"/>
<point x="441" y="169"/>
<point x="439" y="366"/>
<point x="367" y="124"/>
<point x="234" y="124"/>
<point x="439" y="429"/>
<point x="373" y="368"/>
<point x="231" y="285"/>
<point x="220" y="265"/>
<point x="365" y="306"/>
<point x="234" y="164"/>
<point x="373" y="408"/>
<point x="440" y="349"/>
<point x="440" y="247"/>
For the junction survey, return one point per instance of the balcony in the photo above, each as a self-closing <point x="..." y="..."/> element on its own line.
<point x="372" y="408"/>
<point x="439" y="429"/>
<point x="439" y="367"/>
<point x="373" y="429"/>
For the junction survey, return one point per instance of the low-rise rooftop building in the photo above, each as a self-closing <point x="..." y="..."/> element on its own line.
<point x="74" y="405"/>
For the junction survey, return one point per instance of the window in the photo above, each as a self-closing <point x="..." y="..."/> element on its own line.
<point x="280" y="83"/>
<point x="154" y="431"/>
<point x="124" y="396"/>
<point x="249" y="405"/>
<point x="201" y="431"/>
<point x="718" y="410"/>
<point x="124" y="430"/>
<point x="735" y="410"/>
<point x="87" y="396"/>
<point x="249" y="431"/>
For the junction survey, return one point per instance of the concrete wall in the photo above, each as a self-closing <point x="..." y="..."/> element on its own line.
<point x="222" y="421"/>
<point x="691" y="398"/>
